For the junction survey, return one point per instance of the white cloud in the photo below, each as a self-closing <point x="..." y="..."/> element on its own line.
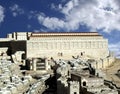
<point x="53" y="23"/>
<point x="115" y="48"/>
<point x="96" y="14"/>
<point x="16" y="10"/>
<point x="1" y="14"/>
<point x="56" y="7"/>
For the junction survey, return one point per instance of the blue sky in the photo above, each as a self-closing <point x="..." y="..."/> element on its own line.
<point x="102" y="16"/>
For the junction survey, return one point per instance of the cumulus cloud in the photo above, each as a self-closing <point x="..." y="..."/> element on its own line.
<point x="115" y="48"/>
<point x="1" y="14"/>
<point x="16" y="10"/>
<point x="95" y="14"/>
<point x="52" y="23"/>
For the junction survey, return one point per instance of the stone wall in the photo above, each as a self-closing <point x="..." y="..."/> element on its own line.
<point x="60" y="45"/>
<point x="74" y="87"/>
<point x="67" y="47"/>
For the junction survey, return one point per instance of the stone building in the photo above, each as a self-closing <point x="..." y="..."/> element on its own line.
<point x="80" y="81"/>
<point x="57" y="45"/>
<point x="38" y="64"/>
<point x="63" y="44"/>
<point x="90" y="84"/>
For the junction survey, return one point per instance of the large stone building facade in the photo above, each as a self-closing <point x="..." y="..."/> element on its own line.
<point x="63" y="45"/>
<point x="67" y="44"/>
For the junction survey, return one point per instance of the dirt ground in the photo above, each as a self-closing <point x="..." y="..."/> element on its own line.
<point x="111" y="72"/>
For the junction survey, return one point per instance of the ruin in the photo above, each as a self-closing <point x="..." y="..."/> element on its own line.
<point x="55" y="62"/>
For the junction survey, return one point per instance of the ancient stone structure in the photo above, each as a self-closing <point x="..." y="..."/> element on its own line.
<point x="57" y="45"/>
<point x="63" y="45"/>
<point x="74" y="87"/>
<point x="81" y="81"/>
<point x="79" y="75"/>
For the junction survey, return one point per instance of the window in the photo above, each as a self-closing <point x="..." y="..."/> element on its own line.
<point x="84" y="83"/>
<point x="81" y="53"/>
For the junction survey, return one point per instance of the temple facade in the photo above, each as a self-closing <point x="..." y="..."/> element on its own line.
<point x="63" y="44"/>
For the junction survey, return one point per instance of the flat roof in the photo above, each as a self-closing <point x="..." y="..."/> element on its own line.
<point x="45" y="34"/>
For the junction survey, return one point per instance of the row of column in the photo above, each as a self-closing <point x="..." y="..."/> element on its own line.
<point x="66" y="45"/>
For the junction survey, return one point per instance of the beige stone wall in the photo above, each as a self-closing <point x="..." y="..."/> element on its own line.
<point x="92" y="82"/>
<point x="103" y="63"/>
<point x="62" y="45"/>
<point x="19" y="35"/>
<point x="74" y="87"/>
<point x="68" y="46"/>
<point x="3" y="50"/>
<point x="108" y="61"/>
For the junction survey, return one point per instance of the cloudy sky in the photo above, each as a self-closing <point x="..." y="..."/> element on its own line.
<point x="102" y="16"/>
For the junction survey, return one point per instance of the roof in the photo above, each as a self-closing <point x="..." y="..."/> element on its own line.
<point x="54" y="34"/>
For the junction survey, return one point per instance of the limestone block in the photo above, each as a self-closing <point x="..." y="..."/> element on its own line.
<point x="26" y="82"/>
<point x="12" y="88"/>
<point x="19" y="86"/>
<point x="5" y="91"/>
